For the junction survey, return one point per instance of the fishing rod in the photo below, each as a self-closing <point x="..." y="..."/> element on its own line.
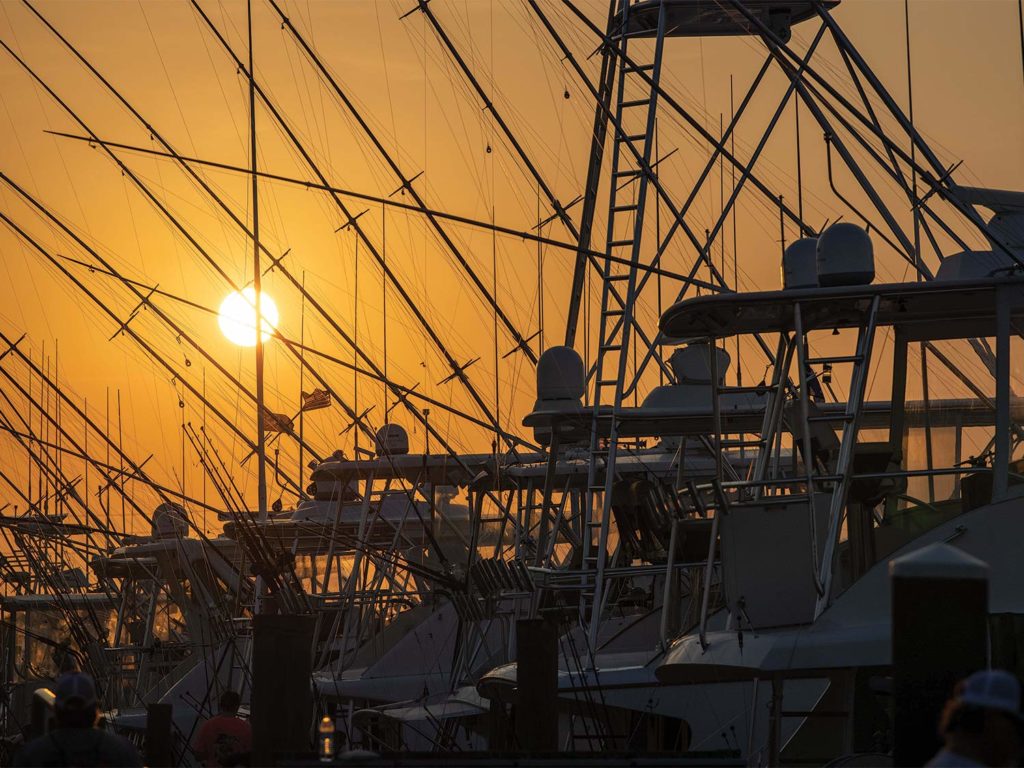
<point x="284" y="270"/>
<point x="456" y="369"/>
<point x="155" y="134"/>
<point x="489" y="226"/>
<point x="276" y="333"/>
<point x="211" y="471"/>
<point x="542" y="185"/>
<point x="53" y="472"/>
<point x="136" y="468"/>
<point x="122" y="325"/>
<point x="143" y="300"/>
<point x="258" y="546"/>
<point x="402" y="398"/>
<point x="489" y="106"/>
<point x="406" y="184"/>
<point x="46" y="572"/>
<point x="108" y="468"/>
<point x="104" y="581"/>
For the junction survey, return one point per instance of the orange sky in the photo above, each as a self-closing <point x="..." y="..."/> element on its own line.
<point x="969" y="102"/>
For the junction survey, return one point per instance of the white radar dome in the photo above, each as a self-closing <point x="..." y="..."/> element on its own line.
<point x="391" y="440"/>
<point x="560" y="375"/>
<point x="800" y="264"/>
<point x="845" y="256"/>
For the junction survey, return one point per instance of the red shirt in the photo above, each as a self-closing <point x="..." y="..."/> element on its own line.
<point x="222" y="738"/>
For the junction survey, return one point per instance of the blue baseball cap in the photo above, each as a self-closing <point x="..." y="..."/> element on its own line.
<point x="75" y="690"/>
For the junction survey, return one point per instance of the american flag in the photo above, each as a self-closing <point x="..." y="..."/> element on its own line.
<point x="276" y="422"/>
<point x="318" y="398"/>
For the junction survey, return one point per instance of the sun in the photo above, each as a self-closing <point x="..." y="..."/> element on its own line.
<point x="237" y="318"/>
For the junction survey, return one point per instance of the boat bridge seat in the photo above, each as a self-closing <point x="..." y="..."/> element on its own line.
<point x="973" y="265"/>
<point x="824" y="443"/>
<point x="871" y="458"/>
<point x="976" y="488"/>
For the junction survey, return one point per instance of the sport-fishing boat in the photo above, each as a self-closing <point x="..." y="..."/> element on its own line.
<point x="713" y="556"/>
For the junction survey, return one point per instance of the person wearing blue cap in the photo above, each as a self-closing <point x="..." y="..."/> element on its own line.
<point x="982" y="723"/>
<point x="76" y="741"/>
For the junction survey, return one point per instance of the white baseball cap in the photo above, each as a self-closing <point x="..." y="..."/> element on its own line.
<point x="993" y="689"/>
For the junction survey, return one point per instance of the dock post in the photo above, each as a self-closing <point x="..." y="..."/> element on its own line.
<point x="939" y="636"/>
<point x="159" y="746"/>
<point x="537" y="686"/>
<point x="282" y="694"/>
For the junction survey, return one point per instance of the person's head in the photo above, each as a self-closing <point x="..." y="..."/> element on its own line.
<point x="229" y="702"/>
<point x="75" y="704"/>
<point x="984" y="715"/>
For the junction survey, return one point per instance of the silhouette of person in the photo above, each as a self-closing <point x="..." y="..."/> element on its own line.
<point x="76" y="741"/>
<point x="982" y="723"/>
<point x="225" y="739"/>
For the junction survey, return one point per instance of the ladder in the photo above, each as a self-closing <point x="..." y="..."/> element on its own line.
<point x="844" y="462"/>
<point x="634" y="124"/>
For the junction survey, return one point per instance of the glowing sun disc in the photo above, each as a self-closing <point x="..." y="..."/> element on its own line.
<point x="237" y="318"/>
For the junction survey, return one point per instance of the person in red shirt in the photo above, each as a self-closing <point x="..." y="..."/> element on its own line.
<point x="225" y="739"/>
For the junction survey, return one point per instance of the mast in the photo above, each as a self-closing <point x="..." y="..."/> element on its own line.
<point x="261" y="445"/>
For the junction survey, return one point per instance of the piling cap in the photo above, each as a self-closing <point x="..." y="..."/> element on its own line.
<point x="992" y="689"/>
<point x="938" y="561"/>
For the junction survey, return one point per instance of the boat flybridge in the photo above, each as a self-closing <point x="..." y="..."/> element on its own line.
<point x="801" y="546"/>
<point x="523" y="562"/>
<point x="803" y="499"/>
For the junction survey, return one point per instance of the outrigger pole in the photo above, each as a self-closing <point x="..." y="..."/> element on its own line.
<point x="412" y="306"/>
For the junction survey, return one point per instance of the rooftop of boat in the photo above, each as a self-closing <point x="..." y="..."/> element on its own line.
<point x="933" y="310"/>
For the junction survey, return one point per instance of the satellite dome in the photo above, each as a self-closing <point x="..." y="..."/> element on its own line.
<point x="845" y="256"/>
<point x="1006" y="229"/>
<point x="560" y="375"/>
<point x="800" y="264"/>
<point x="170" y="521"/>
<point x="391" y="440"/>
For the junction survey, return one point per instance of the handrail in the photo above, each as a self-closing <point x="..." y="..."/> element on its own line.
<point x="669" y="590"/>
<point x="712" y="542"/>
<point x="741" y="484"/>
<point x="800" y="341"/>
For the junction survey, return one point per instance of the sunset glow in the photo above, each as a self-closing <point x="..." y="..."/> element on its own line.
<point x="237" y="318"/>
